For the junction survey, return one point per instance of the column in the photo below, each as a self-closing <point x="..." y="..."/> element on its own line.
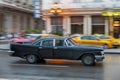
<point x="111" y="25"/>
<point x="48" y="26"/>
<point x="87" y="29"/>
<point x="7" y="23"/>
<point x="106" y="25"/>
<point x="15" y="23"/>
<point x="31" y="23"/>
<point x="25" y="22"/>
<point x="89" y="24"/>
<point x="18" y="23"/>
<point x="66" y="25"/>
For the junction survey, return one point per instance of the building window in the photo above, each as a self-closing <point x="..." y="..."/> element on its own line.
<point x="76" y="1"/>
<point x="98" y="25"/>
<point x="77" y="24"/>
<point x="57" y="24"/>
<point x="97" y="0"/>
<point x="98" y="29"/>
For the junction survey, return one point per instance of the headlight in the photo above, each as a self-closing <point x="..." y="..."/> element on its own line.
<point x="100" y="53"/>
<point x="115" y="43"/>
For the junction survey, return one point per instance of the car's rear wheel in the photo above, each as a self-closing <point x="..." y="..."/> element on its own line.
<point x="88" y="60"/>
<point x="31" y="58"/>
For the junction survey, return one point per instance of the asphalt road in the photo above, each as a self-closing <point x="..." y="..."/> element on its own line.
<point x="12" y="68"/>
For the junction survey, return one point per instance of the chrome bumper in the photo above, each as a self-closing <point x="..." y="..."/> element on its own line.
<point x="99" y="58"/>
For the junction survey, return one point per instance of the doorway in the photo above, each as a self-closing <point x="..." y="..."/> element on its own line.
<point x="116" y="27"/>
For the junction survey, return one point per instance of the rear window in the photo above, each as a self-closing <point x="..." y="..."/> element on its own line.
<point x="104" y="37"/>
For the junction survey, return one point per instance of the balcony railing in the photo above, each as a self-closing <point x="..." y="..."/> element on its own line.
<point x="86" y="5"/>
<point x="17" y="4"/>
<point x="96" y="5"/>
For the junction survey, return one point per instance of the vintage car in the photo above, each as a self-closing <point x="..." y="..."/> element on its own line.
<point x="91" y="40"/>
<point x="57" y="48"/>
<point x="115" y="42"/>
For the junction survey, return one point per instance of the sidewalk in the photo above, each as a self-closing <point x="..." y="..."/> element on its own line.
<point x="4" y="46"/>
<point x="112" y="51"/>
<point x="4" y="41"/>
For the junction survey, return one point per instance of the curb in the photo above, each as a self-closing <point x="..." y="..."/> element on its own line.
<point x="4" y="49"/>
<point x="112" y="52"/>
<point x="4" y="41"/>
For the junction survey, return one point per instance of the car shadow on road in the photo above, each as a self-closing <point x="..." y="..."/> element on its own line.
<point x="55" y="62"/>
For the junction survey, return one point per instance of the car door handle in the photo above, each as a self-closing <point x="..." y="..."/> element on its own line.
<point x="40" y="47"/>
<point x="55" y="48"/>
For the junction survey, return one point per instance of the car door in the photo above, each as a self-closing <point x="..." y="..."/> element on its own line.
<point x="46" y="49"/>
<point x="85" y="40"/>
<point x="90" y="40"/>
<point x="95" y="41"/>
<point x="61" y="51"/>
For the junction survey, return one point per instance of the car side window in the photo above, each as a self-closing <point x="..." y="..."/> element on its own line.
<point x="92" y="38"/>
<point x="47" y="43"/>
<point x="84" y="38"/>
<point x="88" y="38"/>
<point x="104" y="37"/>
<point x="59" y="43"/>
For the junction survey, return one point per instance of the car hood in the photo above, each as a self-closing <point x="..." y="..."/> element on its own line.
<point x="90" y="48"/>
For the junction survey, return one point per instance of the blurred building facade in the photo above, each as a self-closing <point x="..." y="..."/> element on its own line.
<point x="17" y="15"/>
<point x="82" y="16"/>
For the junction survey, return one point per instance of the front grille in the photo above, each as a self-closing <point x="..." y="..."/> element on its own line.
<point x="98" y="53"/>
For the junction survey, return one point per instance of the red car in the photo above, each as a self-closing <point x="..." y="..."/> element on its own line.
<point x="22" y="40"/>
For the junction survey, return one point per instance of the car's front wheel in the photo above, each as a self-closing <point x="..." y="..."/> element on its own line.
<point x="105" y="46"/>
<point x="31" y="58"/>
<point x="88" y="60"/>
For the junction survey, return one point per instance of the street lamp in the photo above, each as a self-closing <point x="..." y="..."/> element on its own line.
<point x="56" y="11"/>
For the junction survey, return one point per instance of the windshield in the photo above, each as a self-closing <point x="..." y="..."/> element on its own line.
<point x="104" y="37"/>
<point x="70" y="42"/>
<point x="88" y="38"/>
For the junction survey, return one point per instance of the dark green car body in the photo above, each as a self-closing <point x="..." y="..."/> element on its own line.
<point x="56" y="48"/>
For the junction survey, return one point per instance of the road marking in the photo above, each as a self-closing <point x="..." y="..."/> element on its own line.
<point x="39" y="65"/>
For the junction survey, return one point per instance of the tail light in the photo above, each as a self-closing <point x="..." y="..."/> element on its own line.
<point x="19" y="42"/>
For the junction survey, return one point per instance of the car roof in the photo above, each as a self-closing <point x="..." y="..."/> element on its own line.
<point x="48" y="38"/>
